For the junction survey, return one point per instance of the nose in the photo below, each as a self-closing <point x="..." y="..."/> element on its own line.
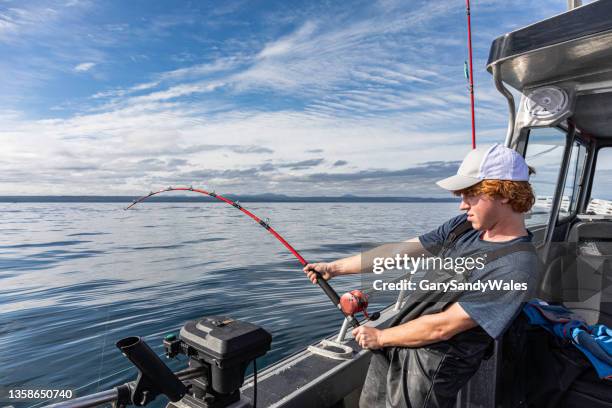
<point x="464" y="204"/>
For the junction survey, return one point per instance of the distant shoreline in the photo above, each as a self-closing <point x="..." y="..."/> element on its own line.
<point x="263" y="198"/>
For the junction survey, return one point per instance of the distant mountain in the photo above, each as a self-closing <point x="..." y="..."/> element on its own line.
<point x="263" y="198"/>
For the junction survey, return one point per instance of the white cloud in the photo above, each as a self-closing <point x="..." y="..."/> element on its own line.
<point x="288" y="44"/>
<point x="15" y="21"/>
<point x="84" y="67"/>
<point x="361" y="90"/>
<point x="195" y="71"/>
<point x="144" y="86"/>
<point x="107" y="149"/>
<point x="7" y="25"/>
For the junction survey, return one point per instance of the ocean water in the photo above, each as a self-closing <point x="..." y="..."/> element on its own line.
<point x="76" y="278"/>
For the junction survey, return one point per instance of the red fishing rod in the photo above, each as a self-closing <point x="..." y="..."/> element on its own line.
<point x="349" y="304"/>
<point x="471" y="73"/>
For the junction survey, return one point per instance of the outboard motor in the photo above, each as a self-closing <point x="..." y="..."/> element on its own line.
<point x="222" y="348"/>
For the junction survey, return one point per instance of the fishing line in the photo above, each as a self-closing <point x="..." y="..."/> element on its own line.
<point x="75" y="390"/>
<point x="103" y="348"/>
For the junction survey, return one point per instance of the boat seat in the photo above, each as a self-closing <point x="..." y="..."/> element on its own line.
<point x="578" y="275"/>
<point x="587" y="279"/>
<point x="588" y="391"/>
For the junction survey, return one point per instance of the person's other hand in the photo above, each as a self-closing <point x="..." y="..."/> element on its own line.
<point x="368" y="337"/>
<point x="322" y="268"/>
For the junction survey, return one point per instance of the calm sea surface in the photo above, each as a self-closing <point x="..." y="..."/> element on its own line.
<point x="75" y="278"/>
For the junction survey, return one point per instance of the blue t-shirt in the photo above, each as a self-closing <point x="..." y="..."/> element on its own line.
<point x="495" y="310"/>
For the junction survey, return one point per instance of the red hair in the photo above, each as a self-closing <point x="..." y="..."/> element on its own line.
<point x="519" y="193"/>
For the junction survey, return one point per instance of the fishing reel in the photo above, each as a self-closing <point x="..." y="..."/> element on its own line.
<point x="350" y="304"/>
<point x="354" y="302"/>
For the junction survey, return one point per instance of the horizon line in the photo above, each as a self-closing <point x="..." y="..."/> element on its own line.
<point x="265" y="197"/>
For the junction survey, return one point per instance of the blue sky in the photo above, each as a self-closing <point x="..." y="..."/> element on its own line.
<point x="301" y="98"/>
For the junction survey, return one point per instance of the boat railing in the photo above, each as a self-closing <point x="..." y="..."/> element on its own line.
<point x="596" y="206"/>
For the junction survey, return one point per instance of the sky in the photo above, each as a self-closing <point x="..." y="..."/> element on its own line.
<point x="289" y="97"/>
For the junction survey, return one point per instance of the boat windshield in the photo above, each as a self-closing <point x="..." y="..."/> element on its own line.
<point x="601" y="192"/>
<point x="545" y="154"/>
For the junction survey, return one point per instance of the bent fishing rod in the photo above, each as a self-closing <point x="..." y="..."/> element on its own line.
<point x="349" y="304"/>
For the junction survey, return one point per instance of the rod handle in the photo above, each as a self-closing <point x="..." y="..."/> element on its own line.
<point x="329" y="291"/>
<point x="333" y="296"/>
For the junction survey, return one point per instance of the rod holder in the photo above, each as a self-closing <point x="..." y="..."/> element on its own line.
<point x="154" y="376"/>
<point x="343" y="330"/>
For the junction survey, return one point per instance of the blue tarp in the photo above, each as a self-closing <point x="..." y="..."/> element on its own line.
<point x="594" y="341"/>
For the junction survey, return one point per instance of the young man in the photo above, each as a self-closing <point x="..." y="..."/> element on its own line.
<point x="433" y="349"/>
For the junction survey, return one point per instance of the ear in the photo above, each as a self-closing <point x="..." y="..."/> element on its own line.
<point x="505" y="200"/>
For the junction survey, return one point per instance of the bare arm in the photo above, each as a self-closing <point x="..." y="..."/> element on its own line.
<point x="421" y="331"/>
<point x="354" y="264"/>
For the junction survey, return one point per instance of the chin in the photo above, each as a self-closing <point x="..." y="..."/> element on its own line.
<point x="477" y="226"/>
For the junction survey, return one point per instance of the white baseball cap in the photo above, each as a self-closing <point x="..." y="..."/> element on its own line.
<point x="487" y="163"/>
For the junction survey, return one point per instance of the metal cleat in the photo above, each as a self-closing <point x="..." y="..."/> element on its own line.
<point x="332" y="349"/>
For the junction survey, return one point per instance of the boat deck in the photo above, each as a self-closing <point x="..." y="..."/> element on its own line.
<point x="308" y="380"/>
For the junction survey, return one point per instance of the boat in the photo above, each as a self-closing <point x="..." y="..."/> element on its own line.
<point x="562" y="69"/>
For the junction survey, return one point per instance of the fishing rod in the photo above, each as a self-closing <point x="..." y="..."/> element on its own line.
<point x="471" y="73"/>
<point x="349" y="304"/>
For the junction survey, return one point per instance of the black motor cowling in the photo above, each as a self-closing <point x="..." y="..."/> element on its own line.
<point x="224" y="347"/>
